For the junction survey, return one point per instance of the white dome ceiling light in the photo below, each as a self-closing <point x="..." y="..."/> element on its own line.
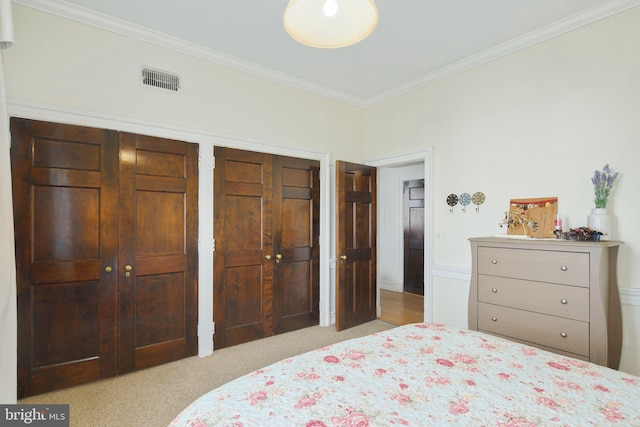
<point x="330" y="23"/>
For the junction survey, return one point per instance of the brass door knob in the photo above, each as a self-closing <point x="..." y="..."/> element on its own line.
<point x="343" y="257"/>
<point x="127" y="269"/>
<point x="108" y="269"/>
<point x="278" y="258"/>
<point x="267" y="257"/>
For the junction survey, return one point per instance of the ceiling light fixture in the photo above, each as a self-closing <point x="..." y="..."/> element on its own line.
<point x="330" y="23"/>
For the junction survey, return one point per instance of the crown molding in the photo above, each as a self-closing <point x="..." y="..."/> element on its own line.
<point x="89" y="17"/>
<point x="129" y="29"/>
<point x="550" y="31"/>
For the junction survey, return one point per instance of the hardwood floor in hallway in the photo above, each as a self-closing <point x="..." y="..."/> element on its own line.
<point x="401" y="308"/>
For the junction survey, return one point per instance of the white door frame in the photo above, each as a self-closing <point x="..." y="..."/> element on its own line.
<point x="426" y="157"/>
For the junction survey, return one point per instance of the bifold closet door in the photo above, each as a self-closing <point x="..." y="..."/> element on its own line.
<point x="266" y="227"/>
<point x="65" y="195"/>
<point x="106" y="252"/>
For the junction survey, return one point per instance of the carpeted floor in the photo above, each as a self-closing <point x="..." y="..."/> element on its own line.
<point x="153" y="397"/>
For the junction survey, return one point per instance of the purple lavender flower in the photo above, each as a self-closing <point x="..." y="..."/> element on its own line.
<point x="603" y="183"/>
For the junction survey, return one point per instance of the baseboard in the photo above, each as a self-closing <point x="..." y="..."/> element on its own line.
<point x="390" y="286"/>
<point x="205" y="340"/>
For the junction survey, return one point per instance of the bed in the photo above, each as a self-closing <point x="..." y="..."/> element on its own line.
<point x="423" y="374"/>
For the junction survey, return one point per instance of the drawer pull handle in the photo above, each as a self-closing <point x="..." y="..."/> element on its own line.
<point x="564" y="268"/>
<point x="563" y="334"/>
<point x="494" y="261"/>
<point x="563" y="301"/>
<point x="494" y="290"/>
<point x="495" y="319"/>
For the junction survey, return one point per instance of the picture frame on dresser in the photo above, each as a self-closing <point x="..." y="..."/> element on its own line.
<point x="558" y="295"/>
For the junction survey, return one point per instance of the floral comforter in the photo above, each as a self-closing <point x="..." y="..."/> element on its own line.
<point x="423" y="374"/>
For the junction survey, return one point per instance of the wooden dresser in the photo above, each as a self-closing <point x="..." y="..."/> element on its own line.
<point x="558" y="295"/>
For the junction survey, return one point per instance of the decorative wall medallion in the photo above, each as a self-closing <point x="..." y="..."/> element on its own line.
<point x="464" y="199"/>
<point x="452" y="200"/>
<point x="478" y="199"/>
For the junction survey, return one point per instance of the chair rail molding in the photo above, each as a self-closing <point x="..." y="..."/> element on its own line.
<point x="449" y="272"/>
<point x="628" y="296"/>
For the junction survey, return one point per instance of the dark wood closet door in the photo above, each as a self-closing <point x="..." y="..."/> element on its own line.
<point x="413" y="224"/>
<point x="243" y="258"/>
<point x="266" y="261"/>
<point x="65" y="194"/>
<point x="356" y="244"/>
<point x="106" y="244"/>
<point x="158" y="251"/>
<point x="296" y="218"/>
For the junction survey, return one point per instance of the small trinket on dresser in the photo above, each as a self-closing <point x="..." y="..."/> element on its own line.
<point x="582" y="234"/>
<point x="557" y="227"/>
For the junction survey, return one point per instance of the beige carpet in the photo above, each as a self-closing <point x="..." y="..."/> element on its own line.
<point x="153" y="397"/>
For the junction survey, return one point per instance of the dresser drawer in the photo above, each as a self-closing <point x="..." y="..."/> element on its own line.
<point x="557" y="300"/>
<point x="555" y="332"/>
<point x="567" y="268"/>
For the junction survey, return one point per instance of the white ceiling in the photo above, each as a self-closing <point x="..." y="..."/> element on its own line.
<point x="416" y="41"/>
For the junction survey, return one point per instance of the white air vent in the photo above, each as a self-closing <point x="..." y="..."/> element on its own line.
<point x="161" y="79"/>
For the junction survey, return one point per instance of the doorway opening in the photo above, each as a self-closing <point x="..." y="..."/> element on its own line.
<point x="396" y="304"/>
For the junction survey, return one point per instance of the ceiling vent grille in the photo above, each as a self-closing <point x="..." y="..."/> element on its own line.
<point x="160" y="79"/>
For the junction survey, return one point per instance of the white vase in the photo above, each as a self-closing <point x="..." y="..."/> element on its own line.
<point x="600" y="220"/>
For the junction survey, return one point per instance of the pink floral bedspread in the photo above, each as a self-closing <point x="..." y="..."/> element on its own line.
<point x="423" y="374"/>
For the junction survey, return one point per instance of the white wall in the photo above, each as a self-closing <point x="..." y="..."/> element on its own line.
<point x="8" y="333"/>
<point x="60" y="62"/>
<point x="535" y="123"/>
